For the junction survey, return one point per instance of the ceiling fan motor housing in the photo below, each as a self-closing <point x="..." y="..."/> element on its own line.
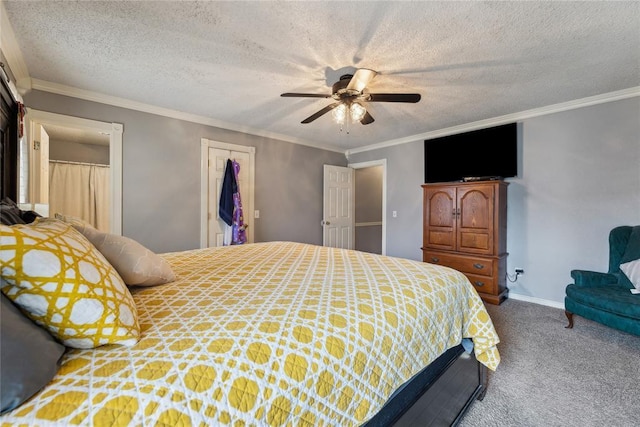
<point x="340" y="91"/>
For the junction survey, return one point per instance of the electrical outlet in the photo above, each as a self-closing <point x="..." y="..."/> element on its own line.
<point x="519" y="271"/>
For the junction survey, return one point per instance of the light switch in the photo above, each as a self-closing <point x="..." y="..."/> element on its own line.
<point x="256" y="214"/>
<point x="394" y="214"/>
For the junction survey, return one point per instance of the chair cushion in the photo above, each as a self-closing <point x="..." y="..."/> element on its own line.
<point x="612" y="299"/>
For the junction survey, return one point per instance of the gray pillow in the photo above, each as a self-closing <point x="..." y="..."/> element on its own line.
<point x="10" y="213"/>
<point x="29" y="356"/>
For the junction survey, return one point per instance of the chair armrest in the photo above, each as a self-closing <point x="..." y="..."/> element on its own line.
<point x="593" y="278"/>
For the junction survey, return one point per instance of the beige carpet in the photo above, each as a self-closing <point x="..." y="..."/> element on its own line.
<point x="552" y="376"/>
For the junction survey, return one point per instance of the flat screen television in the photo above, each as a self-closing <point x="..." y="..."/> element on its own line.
<point x="490" y="153"/>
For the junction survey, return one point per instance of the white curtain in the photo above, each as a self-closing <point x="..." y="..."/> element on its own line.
<point x="80" y="190"/>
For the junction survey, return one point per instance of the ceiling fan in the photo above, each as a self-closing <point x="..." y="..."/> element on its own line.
<point x="349" y="93"/>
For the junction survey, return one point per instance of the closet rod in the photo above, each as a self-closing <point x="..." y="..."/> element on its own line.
<point x="66" y="162"/>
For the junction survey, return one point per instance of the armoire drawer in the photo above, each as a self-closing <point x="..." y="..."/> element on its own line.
<point x="466" y="264"/>
<point x="484" y="284"/>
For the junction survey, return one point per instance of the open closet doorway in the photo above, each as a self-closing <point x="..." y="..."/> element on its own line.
<point x="64" y="150"/>
<point x="370" y="206"/>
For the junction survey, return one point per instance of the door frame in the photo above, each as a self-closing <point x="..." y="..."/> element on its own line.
<point x="383" y="163"/>
<point x="114" y="130"/>
<point x="205" y="144"/>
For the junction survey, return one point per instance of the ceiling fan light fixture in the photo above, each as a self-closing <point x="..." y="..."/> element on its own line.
<point x="357" y="111"/>
<point x="340" y="114"/>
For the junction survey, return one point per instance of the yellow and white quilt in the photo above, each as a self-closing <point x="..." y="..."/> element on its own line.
<point x="271" y="334"/>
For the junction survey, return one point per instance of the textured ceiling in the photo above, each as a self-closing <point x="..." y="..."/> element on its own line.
<point x="230" y="61"/>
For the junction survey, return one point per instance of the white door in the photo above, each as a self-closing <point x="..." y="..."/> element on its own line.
<point x="215" y="157"/>
<point x="338" y="207"/>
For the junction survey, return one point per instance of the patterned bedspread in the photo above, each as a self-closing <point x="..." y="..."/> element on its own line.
<point x="272" y="334"/>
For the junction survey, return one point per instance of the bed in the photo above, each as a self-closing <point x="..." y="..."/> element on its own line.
<point x="280" y="333"/>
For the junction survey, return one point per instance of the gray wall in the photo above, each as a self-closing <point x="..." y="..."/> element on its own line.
<point x="78" y="152"/>
<point x="579" y="177"/>
<point x="161" y="176"/>
<point x="368" y="208"/>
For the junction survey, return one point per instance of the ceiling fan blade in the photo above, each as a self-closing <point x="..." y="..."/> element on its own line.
<point x="304" y="95"/>
<point x="361" y="79"/>
<point x="393" y="97"/>
<point x="325" y="110"/>
<point x="368" y="118"/>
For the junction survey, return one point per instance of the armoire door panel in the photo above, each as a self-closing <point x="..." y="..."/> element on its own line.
<point x="475" y="219"/>
<point x="440" y="218"/>
<point x="474" y="242"/>
<point x="441" y="207"/>
<point x="476" y="207"/>
<point x="441" y="239"/>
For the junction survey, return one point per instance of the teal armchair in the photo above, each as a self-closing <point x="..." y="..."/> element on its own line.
<point x="605" y="297"/>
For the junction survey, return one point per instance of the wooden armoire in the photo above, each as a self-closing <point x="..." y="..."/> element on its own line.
<point x="465" y="228"/>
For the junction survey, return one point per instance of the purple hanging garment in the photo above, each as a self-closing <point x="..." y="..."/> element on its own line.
<point x="239" y="235"/>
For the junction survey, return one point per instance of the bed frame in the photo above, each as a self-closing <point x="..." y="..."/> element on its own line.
<point x="439" y="395"/>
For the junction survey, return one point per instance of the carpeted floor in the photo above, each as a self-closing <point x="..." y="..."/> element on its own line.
<point x="552" y="376"/>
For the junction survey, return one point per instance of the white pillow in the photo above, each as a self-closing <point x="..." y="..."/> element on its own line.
<point x="632" y="270"/>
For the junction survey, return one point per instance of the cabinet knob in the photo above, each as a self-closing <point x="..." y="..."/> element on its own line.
<point x="434" y="259"/>
<point x="478" y="266"/>
<point x="478" y="284"/>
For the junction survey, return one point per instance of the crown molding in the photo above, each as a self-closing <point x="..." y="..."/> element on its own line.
<point x="509" y="118"/>
<point x="115" y="101"/>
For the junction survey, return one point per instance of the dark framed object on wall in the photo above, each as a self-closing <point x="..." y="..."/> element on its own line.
<point x="9" y="144"/>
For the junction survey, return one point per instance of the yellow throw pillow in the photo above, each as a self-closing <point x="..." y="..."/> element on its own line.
<point x="62" y="282"/>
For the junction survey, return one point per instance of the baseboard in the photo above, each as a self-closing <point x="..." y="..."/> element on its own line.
<point x="540" y="301"/>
